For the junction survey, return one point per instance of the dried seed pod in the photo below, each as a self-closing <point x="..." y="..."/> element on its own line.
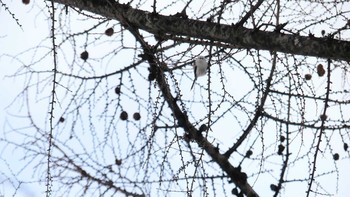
<point x="346" y="146"/>
<point x="137" y="116"/>
<point x="109" y="31"/>
<point x="203" y="128"/>
<point x="234" y="191"/>
<point x="323" y="117"/>
<point x="320" y="70"/>
<point x="273" y="187"/>
<point x="84" y="55"/>
<point x="117" y="90"/>
<point x="83" y="173"/>
<point x="280" y="149"/>
<point x="118" y="162"/>
<point x="307" y="76"/>
<point x="249" y="153"/>
<point x="336" y="156"/>
<point x="323" y="32"/>
<point x="62" y="119"/>
<point x="124" y="115"/>
<point x="282" y="138"/>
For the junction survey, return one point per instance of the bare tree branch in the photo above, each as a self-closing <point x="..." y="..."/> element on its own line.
<point x="120" y="116"/>
<point x="238" y="177"/>
<point x="250" y="13"/>
<point x="238" y="37"/>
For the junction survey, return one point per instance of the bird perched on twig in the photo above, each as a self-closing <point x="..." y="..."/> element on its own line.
<point x="200" y="68"/>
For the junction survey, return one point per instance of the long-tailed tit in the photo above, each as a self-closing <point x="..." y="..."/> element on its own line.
<point x="200" y="68"/>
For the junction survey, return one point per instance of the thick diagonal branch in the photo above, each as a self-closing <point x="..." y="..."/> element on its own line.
<point x="237" y="177"/>
<point x="236" y="37"/>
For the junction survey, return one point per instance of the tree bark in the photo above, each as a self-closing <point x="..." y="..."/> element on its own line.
<point x="233" y="36"/>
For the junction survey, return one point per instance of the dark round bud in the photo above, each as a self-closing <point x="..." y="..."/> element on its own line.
<point x="109" y="31"/>
<point x="152" y="71"/>
<point x="151" y="77"/>
<point x="62" y="119"/>
<point x="234" y="191"/>
<point x="249" y="153"/>
<point x="282" y="138"/>
<point x="26" y="2"/>
<point x="336" y="156"/>
<point x="136" y="116"/>
<point x="118" y="162"/>
<point x="84" y="55"/>
<point x="124" y="115"/>
<point x="323" y="117"/>
<point x="307" y="76"/>
<point x="117" y="90"/>
<point x="346" y="146"/>
<point x="83" y="173"/>
<point x="280" y="149"/>
<point x="273" y="187"/>
<point x="203" y="128"/>
<point x="320" y="70"/>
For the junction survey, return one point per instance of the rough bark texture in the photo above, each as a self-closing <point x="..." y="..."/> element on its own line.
<point x="236" y="37"/>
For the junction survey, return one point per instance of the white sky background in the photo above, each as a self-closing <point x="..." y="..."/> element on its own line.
<point x="14" y="40"/>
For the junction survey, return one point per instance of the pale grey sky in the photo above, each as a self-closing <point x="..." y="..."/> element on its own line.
<point x="15" y="40"/>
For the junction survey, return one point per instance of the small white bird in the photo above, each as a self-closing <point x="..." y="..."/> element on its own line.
<point x="200" y="68"/>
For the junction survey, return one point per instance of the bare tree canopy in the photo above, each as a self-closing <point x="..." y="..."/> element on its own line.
<point x="107" y="107"/>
